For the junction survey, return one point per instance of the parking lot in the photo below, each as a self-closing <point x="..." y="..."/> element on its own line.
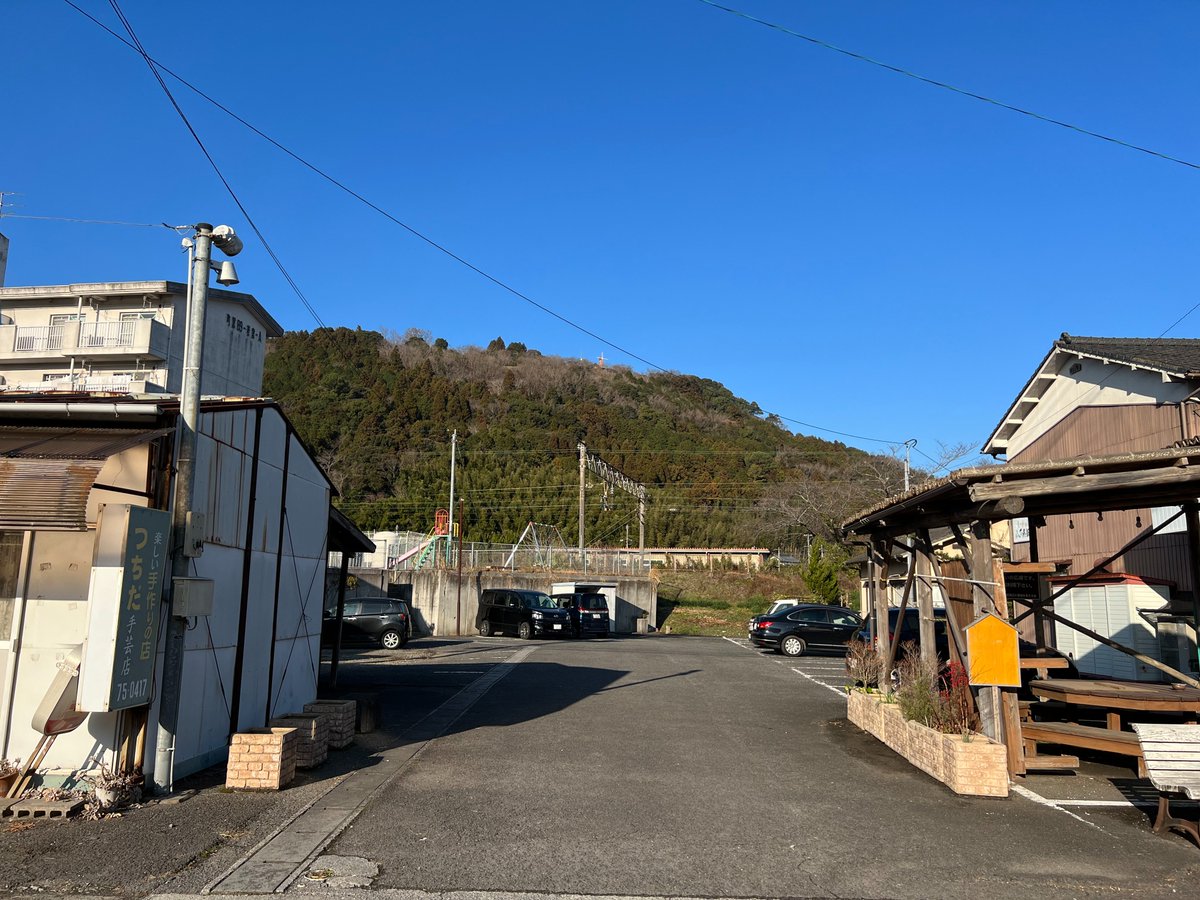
<point x="704" y="767"/>
<point x="633" y="766"/>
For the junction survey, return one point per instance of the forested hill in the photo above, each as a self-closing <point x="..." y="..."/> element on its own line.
<point x="378" y="413"/>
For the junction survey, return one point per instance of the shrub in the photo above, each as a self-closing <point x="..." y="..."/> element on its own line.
<point x="917" y="693"/>
<point x="957" y="711"/>
<point x="863" y="663"/>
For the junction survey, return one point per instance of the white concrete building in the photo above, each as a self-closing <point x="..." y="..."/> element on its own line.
<point x="127" y="337"/>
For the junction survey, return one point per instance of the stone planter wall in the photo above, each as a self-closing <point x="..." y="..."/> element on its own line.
<point x="312" y="744"/>
<point x="262" y="759"/>
<point x="978" y="767"/>
<point x="339" y="716"/>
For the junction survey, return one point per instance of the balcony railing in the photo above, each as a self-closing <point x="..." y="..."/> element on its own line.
<point x="145" y="338"/>
<point x="30" y="338"/>
<point x="107" y="334"/>
<point x="110" y="384"/>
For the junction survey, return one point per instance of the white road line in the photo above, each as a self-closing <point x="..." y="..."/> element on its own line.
<point x="839" y="691"/>
<point x="1025" y="792"/>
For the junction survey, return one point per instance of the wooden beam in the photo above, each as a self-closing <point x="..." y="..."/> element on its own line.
<point x="1101" y="565"/>
<point x="1129" y="651"/>
<point x="1076" y="484"/>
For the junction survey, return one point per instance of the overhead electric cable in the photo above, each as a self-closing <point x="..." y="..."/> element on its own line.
<point x="6" y="215"/>
<point x="318" y="171"/>
<point x="950" y="87"/>
<point x="137" y="45"/>
<point x="155" y="66"/>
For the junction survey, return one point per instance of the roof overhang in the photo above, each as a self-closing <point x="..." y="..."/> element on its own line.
<point x="993" y="493"/>
<point x="47" y="473"/>
<point x="345" y="536"/>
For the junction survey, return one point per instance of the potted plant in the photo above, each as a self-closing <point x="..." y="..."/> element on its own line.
<point x="114" y="789"/>
<point x="10" y="770"/>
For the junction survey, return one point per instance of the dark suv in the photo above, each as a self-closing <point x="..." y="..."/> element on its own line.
<point x="910" y="630"/>
<point x="807" y="626"/>
<point x="383" y="622"/>
<point x="588" y="612"/>
<point x="527" y="613"/>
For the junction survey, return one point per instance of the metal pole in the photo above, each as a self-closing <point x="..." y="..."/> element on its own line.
<point x="582" y="490"/>
<point x="458" y="608"/>
<point x="453" y="448"/>
<point x="181" y="505"/>
<point x="642" y="531"/>
<point x="908" y="445"/>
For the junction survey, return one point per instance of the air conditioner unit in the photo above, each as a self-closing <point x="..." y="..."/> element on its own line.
<point x="1177" y="644"/>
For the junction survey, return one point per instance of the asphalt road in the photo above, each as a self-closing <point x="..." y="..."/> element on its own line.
<point x="695" y="766"/>
<point x="638" y="767"/>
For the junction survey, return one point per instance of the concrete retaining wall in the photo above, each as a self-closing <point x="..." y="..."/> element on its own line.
<point x="440" y="608"/>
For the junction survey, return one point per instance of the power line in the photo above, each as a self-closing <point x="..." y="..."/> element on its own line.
<point x="362" y="199"/>
<point x="152" y="65"/>
<point x="949" y="87"/>
<point x="857" y="437"/>
<point x="5" y="215"/>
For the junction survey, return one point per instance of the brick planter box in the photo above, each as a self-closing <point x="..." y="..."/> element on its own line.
<point x="262" y="759"/>
<point x="339" y="716"/>
<point x="312" y="744"/>
<point x="978" y="767"/>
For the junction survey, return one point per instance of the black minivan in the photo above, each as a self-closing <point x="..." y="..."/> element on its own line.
<point x="526" y="613"/>
<point x="589" y="613"/>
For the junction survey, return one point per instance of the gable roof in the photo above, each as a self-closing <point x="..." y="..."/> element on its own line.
<point x="1173" y="358"/>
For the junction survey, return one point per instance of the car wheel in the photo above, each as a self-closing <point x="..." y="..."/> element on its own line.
<point x="485" y="628"/>
<point x="390" y="639"/>
<point x="791" y="646"/>
<point x="524" y="631"/>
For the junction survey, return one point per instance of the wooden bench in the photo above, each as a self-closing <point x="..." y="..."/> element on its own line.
<point x="1069" y="734"/>
<point x="1172" y="755"/>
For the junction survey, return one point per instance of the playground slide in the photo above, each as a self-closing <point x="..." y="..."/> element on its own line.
<point x="415" y="550"/>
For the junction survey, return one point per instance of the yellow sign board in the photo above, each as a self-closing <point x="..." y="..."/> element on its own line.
<point x="993" y="656"/>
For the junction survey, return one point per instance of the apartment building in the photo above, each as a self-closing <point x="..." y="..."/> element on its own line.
<point x="127" y="337"/>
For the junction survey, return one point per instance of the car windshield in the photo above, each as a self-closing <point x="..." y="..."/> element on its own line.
<point x="540" y="601"/>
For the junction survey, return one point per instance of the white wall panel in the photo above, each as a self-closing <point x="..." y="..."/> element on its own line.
<point x="265" y="534"/>
<point x="274" y="438"/>
<point x="256" y="660"/>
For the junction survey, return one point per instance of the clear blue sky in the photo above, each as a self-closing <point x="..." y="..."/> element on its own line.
<point x="840" y="244"/>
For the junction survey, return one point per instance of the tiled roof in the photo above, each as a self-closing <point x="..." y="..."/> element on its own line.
<point x="1179" y="356"/>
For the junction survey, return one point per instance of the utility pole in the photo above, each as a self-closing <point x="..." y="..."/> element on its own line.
<point x="450" y="536"/>
<point x="908" y="445"/>
<point x="184" y="489"/>
<point x="582" y="498"/>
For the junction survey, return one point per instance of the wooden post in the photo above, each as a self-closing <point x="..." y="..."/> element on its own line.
<point x="1010" y="709"/>
<point x="341" y="612"/>
<point x="1192" y="517"/>
<point x="980" y="546"/>
<point x="882" y="643"/>
<point x="924" y="569"/>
